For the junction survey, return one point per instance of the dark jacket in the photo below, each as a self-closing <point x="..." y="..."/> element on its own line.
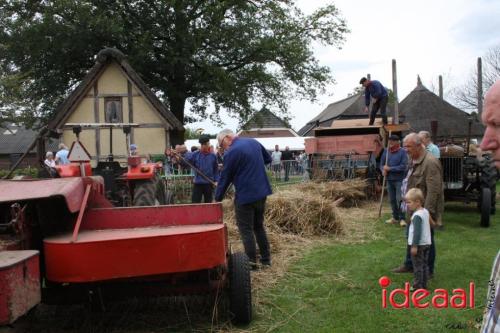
<point x="398" y="162"/>
<point x="427" y="176"/>
<point x="244" y="166"/>
<point x="375" y="90"/>
<point x="207" y="163"/>
<point x="286" y="155"/>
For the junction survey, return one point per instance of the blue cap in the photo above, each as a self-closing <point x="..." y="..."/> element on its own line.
<point x="133" y="146"/>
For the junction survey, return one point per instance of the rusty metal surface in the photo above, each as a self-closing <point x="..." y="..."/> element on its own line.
<point x="19" y="284"/>
<point x="360" y="144"/>
<point x="136" y="217"/>
<point x="101" y="255"/>
<point x="72" y="189"/>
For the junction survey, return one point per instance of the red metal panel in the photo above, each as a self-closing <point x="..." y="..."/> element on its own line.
<point x="361" y="144"/>
<point x="141" y="171"/>
<point x="19" y="284"/>
<point x="72" y="189"/>
<point x="136" y="217"/>
<point x="73" y="170"/>
<point x="100" y="255"/>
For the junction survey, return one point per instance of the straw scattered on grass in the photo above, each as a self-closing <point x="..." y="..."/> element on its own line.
<point x="353" y="191"/>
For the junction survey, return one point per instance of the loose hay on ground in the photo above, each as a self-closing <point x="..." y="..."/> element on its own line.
<point x="353" y="191"/>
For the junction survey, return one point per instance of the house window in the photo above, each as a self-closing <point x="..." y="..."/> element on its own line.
<point x="113" y="110"/>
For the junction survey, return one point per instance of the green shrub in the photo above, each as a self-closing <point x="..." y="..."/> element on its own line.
<point x="32" y="172"/>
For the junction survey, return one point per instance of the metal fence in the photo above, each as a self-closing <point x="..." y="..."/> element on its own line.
<point x="319" y="167"/>
<point x="342" y="167"/>
<point x="179" y="181"/>
<point x="291" y="171"/>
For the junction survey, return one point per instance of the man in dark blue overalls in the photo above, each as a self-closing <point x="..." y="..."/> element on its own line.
<point x="374" y="89"/>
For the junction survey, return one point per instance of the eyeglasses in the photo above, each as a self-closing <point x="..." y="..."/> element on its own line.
<point x="221" y="142"/>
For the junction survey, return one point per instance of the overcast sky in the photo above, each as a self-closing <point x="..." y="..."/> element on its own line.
<point x="428" y="38"/>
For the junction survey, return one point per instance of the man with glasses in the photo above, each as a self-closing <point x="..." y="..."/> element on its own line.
<point x="425" y="174"/>
<point x="244" y="166"/>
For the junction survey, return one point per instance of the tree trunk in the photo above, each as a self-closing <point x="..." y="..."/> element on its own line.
<point x="177" y="105"/>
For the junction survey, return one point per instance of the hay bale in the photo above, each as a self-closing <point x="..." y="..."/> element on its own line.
<point x="290" y="211"/>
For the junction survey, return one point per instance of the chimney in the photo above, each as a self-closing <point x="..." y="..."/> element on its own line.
<point x="440" y="87"/>
<point x="479" y="86"/>
<point x="434" y="130"/>
<point x="395" y="120"/>
<point x="419" y="82"/>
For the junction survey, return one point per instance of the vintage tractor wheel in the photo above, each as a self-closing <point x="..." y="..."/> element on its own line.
<point x="149" y="193"/>
<point x="485" y="207"/>
<point x="489" y="178"/>
<point x="240" y="289"/>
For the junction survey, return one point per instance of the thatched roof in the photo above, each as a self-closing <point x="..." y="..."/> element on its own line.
<point x="104" y="58"/>
<point x="347" y="108"/>
<point x="265" y="119"/>
<point x="422" y="106"/>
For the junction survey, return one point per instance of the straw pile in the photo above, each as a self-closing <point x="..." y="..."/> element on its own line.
<point x="353" y="191"/>
<point x="290" y="211"/>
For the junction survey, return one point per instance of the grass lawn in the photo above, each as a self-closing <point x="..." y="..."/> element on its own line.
<point x="334" y="287"/>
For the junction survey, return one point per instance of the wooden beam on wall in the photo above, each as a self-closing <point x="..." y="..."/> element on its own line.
<point x="130" y="109"/>
<point x="96" y="119"/>
<point x="167" y="138"/>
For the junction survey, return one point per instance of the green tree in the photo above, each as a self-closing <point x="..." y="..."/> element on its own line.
<point x="229" y="54"/>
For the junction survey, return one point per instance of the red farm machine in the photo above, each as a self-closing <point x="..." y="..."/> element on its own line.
<point x="348" y="149"/>
<point x="68" y="239"/>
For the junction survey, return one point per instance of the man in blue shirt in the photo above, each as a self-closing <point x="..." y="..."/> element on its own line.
<point x="62" y="155"/>
<point x="374" y="89"/>
<point x="394" y="171"/>
<point x="204" y="160"/>
<point x="244" y="166"/>
<point x="425" y="136"/>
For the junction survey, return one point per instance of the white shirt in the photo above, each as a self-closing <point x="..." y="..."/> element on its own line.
<point x="425" y="236"/>
<point x="50" y="163"/>
<point x="276" y="156"/>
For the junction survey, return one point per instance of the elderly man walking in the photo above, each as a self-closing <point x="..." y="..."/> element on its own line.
<point x="429" y="146"/>
<point x="425" y="174"/>
<point x="244" y="166"/>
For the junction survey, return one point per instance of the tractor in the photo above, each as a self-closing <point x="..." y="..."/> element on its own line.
<point x="137" y="184"/>
<point x="469" y="177"/>
<point x="62" y="240"/>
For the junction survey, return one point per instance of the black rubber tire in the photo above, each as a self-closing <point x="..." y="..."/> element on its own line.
<point x="489" y="178"/>
<point x="160" y="191"/>
<point x="485" y="207"/>
<point x="240" y="289"/>
<point x="144" y="193"/>
<point x="149" y="193"/>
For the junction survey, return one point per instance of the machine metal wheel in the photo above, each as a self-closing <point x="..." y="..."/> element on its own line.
<point x="240" y="289"/>
<point x="485" y="207"/>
